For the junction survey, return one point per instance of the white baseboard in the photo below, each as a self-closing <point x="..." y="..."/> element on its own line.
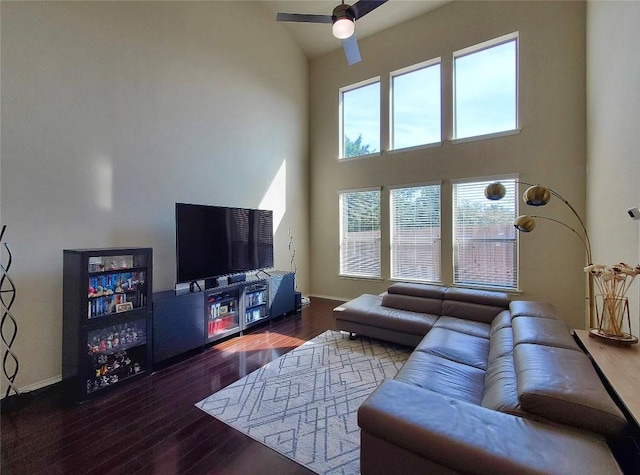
<point x="39" y="385"/>
<point x="329" y="297"/>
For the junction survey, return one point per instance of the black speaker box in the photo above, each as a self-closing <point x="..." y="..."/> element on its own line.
<point x="236" y="278"/>
<point x="298" y="296"/>
<point x="209" y="283"/>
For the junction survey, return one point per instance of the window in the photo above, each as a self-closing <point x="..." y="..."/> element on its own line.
<point x="360" y="119"/>
<point x="415" y="105"/>
<point x="485" y="251"/>
<point x="360" y="233"/>
<point x="486" y="87"/>
<point x="415" y="233"/>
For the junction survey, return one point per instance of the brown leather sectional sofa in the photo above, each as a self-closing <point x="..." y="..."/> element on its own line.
<point x="493" y="386"/>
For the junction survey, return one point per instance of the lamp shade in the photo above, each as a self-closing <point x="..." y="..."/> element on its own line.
<point x="524" y="223"/>
<point x="495" y="191"/>
<point x="536" y="195"/>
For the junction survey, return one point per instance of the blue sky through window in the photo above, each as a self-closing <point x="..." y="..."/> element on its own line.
<point x="361" y="115"/>
<point x="485" y="102"/>
<point x="416" y="107"/>
<point x="485" y="91"/>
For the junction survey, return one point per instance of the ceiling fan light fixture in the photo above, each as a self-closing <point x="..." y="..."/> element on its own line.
<point x="343" y="28"/>
<point x="343" y="22"/>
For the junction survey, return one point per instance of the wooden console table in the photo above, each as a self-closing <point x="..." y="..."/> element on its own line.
<point x="620" y="367"/>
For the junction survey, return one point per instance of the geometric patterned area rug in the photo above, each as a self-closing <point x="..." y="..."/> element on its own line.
<point x="304" y="404"/>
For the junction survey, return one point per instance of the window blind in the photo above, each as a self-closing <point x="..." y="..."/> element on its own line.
<point x="485" y="242"/>
<point x="415" y="233"/>
<point x="360" y="233"/>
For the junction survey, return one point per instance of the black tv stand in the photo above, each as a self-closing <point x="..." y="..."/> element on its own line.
<point x="184" y="321"/>
<point x="193" y="285"/>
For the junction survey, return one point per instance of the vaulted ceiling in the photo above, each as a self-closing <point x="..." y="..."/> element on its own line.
<point x="316" y="39"/>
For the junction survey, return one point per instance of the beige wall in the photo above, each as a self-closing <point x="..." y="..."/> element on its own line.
<point x="113" y="111"/>
<point x="613" y="131"/>
<point x="550" y="148"/>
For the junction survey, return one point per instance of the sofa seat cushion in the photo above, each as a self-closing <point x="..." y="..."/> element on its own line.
<point x="455" y="346"/>
<point x="446" y="377"/>
<point x="478" y="329"/>
<point x="501" y="387"/>
<point x="543" y="331"/>
<point x="367" y="309"/>
<point x="401" y="320"/>
<point x="562" y="385"/>
<point x="358" y="308"/>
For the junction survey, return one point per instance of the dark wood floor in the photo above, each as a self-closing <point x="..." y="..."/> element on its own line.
<point x="152" y="425"/>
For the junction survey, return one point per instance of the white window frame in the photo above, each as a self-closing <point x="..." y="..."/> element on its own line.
<point x="476" y="49"/>
<point x="401" y="72"/>
<point x="341" y="236"/>
<point x="392" y="232"/>
<point x="454" y="239"/>
<point x="341" y="93"/>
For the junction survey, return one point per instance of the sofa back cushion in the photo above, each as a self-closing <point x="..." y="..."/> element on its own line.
<point x="413" y="304"/>
<point x="471" y="304"/>
<point x="417" y="290"/>
<point x="561" y="384"/>
<point x="421" y="298"/>
<point x="502" y="320"/>
<point x="532" y="308"/>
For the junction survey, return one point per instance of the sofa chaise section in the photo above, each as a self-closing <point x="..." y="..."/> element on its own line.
<point x="409" y="430"/>
<point x="406" y="312"/>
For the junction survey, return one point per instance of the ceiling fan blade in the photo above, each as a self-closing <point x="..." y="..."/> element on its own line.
<point x="361" y="8"/>
<point x="304" y="18"/>
<point x="351" y="50"/>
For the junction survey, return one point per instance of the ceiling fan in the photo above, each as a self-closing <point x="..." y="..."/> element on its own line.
<point x="343" y="20"/>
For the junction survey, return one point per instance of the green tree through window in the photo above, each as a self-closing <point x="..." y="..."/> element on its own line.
<point x="355" y="148"/>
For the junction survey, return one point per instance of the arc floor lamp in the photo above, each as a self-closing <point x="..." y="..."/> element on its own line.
<point x="538" y="195"/>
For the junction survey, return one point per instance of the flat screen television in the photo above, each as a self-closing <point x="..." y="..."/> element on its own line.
<point x="212" y="241"/>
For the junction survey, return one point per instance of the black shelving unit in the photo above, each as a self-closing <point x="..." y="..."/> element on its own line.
<point x="223" y="313"/>
<point x="106" y="319"/>
<point x="256" y="303"/>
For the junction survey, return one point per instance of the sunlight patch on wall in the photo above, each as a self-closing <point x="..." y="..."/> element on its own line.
<point x="276" y="196"/>
<point x="103" y="184"/>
